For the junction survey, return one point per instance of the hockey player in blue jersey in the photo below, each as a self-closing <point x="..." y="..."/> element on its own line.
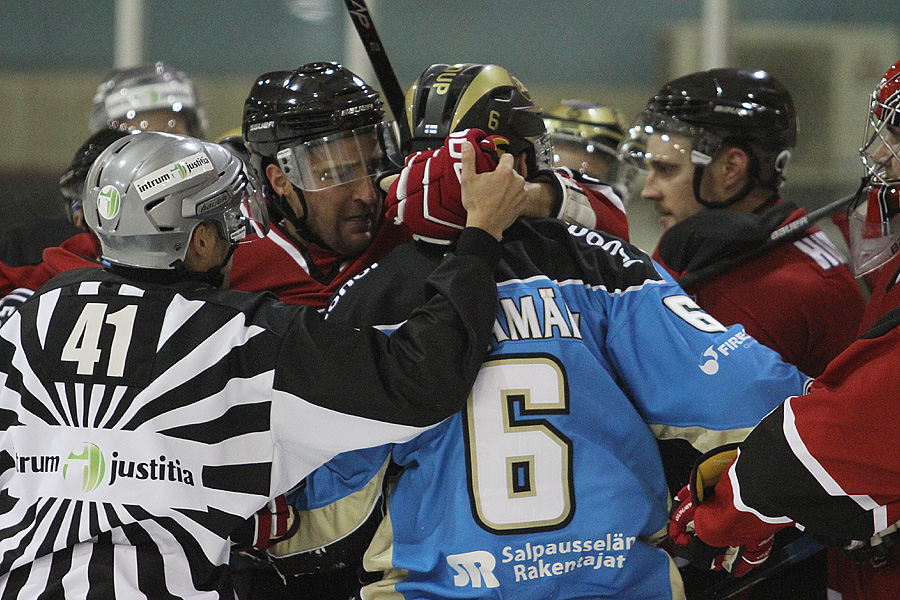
<point x="549" y="484"/>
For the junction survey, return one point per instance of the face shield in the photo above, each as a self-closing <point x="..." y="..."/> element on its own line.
<point x="880" y="151"/>
<point x="627" y="180"/>
<point x="251" y="215"/>
<point x="874" y="227"/>
<point x="543" y="152"/>
<point x="72" y="190"/>
<point x="336" y="159"/>
<point x="527" y="123"/>
<point x="875" y="213"/>
<point x="665" y="139"/>
<point x="584" y="156"/>
<point x="597" y="160"/>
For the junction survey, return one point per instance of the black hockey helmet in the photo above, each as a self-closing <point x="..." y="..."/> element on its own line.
<point x="725" y="107"/>
<point x="71" y="183"/>
<point x="319" y="113"/>
<point x="448" y="98"/>
<point x="288" y="107"/>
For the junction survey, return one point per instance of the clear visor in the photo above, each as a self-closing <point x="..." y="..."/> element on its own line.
<point x="336" y="159"/>
<point x="72" y="192"/>
<point x="874" y="228"/>
<point x="572" y="142"/>
<point x="245" y="213"/>
<point x="662" y="138"/>
<point x="252" y="216"/>
<point x="583" y="156"/>
<point x="880" y="151"/>
<point x="627" y="180"/>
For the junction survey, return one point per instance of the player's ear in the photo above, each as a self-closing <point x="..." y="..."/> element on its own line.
<point x="277" y="179"/>
<point x="203" y="248"/>
<point x="736" y="164"/>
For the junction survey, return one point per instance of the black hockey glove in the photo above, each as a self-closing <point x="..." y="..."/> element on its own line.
<point x="875" y="551"/>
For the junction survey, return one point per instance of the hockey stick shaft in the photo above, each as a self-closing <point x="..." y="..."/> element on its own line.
<point x="381" y="64"/>
<point x="791" y="554"/>
<point x="787" y="233"/>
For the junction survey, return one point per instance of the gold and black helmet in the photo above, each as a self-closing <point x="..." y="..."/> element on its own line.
<point x="448" y="98"/>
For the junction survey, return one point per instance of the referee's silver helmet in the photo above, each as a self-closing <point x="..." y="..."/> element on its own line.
<point x="146" y="193"/>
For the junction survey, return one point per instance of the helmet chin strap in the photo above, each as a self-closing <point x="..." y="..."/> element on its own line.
<point x="216" y="276"/>
<point x="742" y="193"/>
<point x="299" y="223"/>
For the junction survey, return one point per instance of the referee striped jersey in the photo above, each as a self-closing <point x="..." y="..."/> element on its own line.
<point x="140" y="422"/>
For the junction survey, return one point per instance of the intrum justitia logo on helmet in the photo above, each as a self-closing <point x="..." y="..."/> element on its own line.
<point x="172" y="174"/>
<point x="109" y="202"/>
<point x="92" y="463"/>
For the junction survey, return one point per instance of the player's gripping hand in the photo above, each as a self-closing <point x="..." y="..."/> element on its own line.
<point x="426" y="196"/>
<point x="493" y="200"/>
<point x="687" y="545"/>
<point x="273" y="523"/>
<point x="737" y="560"/>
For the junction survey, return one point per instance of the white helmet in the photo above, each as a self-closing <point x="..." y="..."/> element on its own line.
<point x="126" y="95"/>
<point x="145" y="194"/>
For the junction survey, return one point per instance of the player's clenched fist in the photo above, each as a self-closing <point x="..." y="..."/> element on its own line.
<point x="493" y="200"/>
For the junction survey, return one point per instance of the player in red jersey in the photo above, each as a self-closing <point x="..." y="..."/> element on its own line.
<point x="825" y="462"/>
<point x="716" y="145"/>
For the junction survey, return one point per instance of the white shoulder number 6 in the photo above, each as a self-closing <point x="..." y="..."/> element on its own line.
<point x="695" y="316"/>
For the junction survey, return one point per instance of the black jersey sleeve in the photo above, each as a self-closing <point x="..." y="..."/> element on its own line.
<point x="420" y="374"/>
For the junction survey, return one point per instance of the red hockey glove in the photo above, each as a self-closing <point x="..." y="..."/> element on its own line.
<point x="271" y="524"/>
<point x="426" y="198"/>
<point x="685" y="542"/>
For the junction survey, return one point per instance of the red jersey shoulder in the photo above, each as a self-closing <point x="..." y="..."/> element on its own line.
<point x="76" y="252"/>
<point x="790" y="303"/>
<point x="278" y="264"/>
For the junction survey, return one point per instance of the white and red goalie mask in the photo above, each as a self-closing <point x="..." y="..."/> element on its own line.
<point x="875" y="214"/>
